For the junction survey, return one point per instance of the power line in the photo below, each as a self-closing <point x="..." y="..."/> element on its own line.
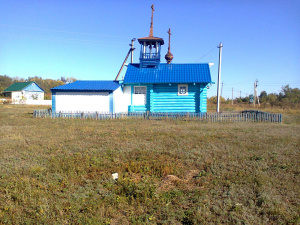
<point x="205" y="54"/>
<point x="268" y="84"/>
<point x="61" y="31"/>
<point x="76" y="41"/>
<point x="279" y="83"/>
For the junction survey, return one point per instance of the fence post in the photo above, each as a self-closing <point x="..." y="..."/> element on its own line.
<point x="280" y="118"/>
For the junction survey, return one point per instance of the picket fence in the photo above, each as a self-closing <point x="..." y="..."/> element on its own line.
<point x="244" y="116"/>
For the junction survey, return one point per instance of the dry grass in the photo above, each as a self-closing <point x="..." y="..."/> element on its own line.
<point x="290" y="115"/>
<point x="57" y="171"/>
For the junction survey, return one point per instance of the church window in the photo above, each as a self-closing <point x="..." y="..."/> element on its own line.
<point x="182" y="89"/>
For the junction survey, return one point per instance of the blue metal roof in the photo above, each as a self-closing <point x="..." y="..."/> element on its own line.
<point x="168" y="73"/>
<point x="85" y="85"/>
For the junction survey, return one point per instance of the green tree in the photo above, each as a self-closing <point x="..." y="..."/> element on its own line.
<point x="68" y="80"/>
<point x="263" y="96"/>
<point x="46" y="84"/>
<point x="214" y="99"/>
<point x="5" y="82"/>
<point x="246" y="99"/>
<point x="289" y="96"/>
<point x="272" y="98"/>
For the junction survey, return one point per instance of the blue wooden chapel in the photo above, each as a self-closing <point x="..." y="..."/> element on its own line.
<point x="165" y="87"/>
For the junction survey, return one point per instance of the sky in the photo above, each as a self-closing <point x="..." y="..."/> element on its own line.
<point x="89" y="39"/>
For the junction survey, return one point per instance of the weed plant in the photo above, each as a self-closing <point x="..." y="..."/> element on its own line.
<point x="59" y="171"/>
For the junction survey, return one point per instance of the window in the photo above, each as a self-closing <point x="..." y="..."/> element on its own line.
<point x="182" y="89"/>
<point x="140" y="90"/>
<point x="140" y="95"/>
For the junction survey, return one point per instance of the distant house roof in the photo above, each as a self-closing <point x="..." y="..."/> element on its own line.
<point x="19" y="86"/>
<point x="85" y="85"/>
<point x="168" y="73"/>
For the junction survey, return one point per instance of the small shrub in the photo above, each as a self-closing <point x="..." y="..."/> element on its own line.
<point x="6" y="102"/>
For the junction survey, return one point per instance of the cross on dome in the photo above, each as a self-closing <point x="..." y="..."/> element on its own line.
<point x="169" y="56"/>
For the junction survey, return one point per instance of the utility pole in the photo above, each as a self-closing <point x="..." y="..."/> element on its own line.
<point x="232" y="97"/>
<point x="255" y="92"/>
<point x="222" y="89"/>
<point x="132" y="47"/>
<point x="219" y="76"/>
<point x="254" y="96"/>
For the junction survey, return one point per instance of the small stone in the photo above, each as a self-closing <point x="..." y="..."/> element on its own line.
<point x="115" y="176"/>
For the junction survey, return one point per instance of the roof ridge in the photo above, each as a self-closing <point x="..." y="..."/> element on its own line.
<point x="96" y="80"/>
<point x="169" y="73"/>
<point x="175" y="63"/>
<point x="89" y="85"/>
<point x="18" y="86"/>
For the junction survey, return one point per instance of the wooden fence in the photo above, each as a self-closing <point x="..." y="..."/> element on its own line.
<point x="244" y="116"/>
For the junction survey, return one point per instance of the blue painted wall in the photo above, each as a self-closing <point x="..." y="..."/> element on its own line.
<point x="33" y="87"/>
<point x="203" y="98"/>
<point x="140" y="108"/>
<point x="165" y="98"/>
<point x="53" y="101"/>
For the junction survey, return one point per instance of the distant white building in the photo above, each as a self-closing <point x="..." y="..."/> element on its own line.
<point x="23" y="91"/>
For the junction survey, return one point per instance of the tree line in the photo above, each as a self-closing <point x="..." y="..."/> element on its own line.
<point x="288" y="97"/>
<point x="45" y="84"/>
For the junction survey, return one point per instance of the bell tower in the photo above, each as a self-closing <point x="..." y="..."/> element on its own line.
<point x="150" y="48"/>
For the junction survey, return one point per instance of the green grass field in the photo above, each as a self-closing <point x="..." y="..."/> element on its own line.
<point x="58" y="171"/>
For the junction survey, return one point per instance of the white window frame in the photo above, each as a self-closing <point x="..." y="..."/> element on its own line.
<point x="139" y="92"/>
<point x="139" y="95"/>
<point x="186" y="86"/>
